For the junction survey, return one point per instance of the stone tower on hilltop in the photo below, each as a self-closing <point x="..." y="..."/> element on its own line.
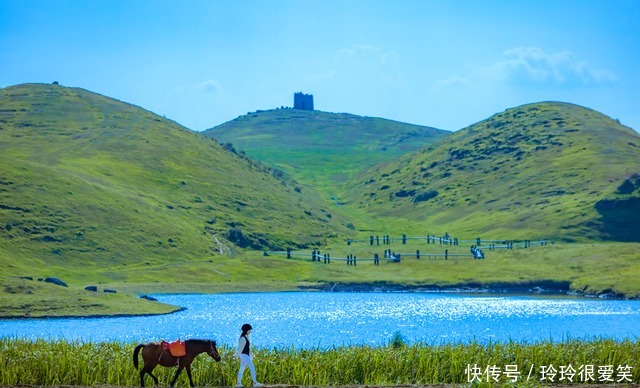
<point x="302" y="101"/>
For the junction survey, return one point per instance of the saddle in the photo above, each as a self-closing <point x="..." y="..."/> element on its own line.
<point x="176" y="348"/>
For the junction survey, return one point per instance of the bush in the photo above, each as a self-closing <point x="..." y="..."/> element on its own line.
<point x="626" y="187"/>
<point x="425" y="196"/>
<point x="397" y="341"/>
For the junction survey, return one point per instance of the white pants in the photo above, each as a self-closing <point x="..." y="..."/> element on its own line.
<point x="245" y="361"/>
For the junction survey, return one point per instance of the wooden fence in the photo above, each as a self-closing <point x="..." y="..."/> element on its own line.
<point x="476" y="250"/>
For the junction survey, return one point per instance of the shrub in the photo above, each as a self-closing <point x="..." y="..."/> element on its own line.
<point x="425" y="196"/>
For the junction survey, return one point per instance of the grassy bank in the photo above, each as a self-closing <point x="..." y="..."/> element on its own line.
<point x="27" y="298"/>
<point x="590" y="269"/>
<point x="49" y="363"/>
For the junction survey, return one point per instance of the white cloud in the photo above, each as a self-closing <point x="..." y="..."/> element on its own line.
<point x="210" y="86"/>
<point x="367" y="51"/>
<point x="359" y="69"/>
<point x="451" y="82"/>
<point x="533" y="65"/>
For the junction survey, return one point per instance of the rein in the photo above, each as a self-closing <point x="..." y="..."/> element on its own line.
<point x="211" y="351"/>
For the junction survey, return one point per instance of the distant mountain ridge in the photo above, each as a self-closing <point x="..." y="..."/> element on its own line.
<point x="550" y="169"/>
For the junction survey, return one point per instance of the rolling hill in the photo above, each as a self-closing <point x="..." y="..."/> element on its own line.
<point x="325" y="150"/>
<point x="545" y="170"/>
<point x="89" y="183"/>
<point x="99" y="192"/>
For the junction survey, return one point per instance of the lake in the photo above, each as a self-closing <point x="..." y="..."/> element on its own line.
<point x="323" y="319"/>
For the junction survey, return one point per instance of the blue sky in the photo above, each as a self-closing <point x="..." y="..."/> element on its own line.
<point x="446" y="64"/>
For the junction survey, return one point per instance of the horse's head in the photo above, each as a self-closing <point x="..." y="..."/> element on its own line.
<point x="214" y="351"/>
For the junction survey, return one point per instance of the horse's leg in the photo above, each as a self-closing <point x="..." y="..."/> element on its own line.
<point x="142" y="372"/>
<point x="188" y="368"/>
<point x="148" y="369"/>
<point x="155" y="379"/>
<point x="175" y="378"/>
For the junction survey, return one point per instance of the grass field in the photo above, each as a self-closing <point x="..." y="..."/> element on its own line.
<point x="591" y="269"/>
<point x="585" y="268"/>
<point x="61" y="363"/>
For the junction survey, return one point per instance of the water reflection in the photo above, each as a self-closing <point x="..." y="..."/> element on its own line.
<point x="335" y="319"/>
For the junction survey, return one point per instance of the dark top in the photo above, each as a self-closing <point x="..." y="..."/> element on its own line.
<point x="246" y="349"/>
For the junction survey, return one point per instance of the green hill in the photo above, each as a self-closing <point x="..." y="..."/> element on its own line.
<point x="98" y="192"/>
<point x="325" y="150"/>
<point x="102" y="191"/>
<point x="545" y="170"/>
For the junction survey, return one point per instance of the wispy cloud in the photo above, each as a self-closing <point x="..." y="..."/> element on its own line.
<point x="451" y="82"/>
<point x="370" y="51"/>
<point x="361" y="65"/>
<point x="532" y="66"/>
<point x="209" y="86"/>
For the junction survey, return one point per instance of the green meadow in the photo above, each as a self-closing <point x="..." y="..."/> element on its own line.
<point x="597" y="361"/>
<point x="589" y="269"/>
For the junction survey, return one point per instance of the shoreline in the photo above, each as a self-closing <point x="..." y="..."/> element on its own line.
<point x="177" y="310"/>
<point x="531" y="288"/>
<point x="540" y="288"/>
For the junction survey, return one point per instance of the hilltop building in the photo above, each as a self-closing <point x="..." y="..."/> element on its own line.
<point x="302" y="101"/>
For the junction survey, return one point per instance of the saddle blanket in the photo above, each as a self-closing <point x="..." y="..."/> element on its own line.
<point x="176" y="348"/>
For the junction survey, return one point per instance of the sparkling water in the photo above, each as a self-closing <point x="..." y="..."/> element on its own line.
<point x="323" y="319"/>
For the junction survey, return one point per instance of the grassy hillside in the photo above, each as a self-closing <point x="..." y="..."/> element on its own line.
<point x="545" y="170"/>
<point x="323" y="149"/>
<point x="100" y="191"/>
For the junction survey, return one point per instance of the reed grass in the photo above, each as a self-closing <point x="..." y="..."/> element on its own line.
<point x="59" y="362"/>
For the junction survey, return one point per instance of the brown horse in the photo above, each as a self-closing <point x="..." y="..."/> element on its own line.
<point x="153" y="354"/>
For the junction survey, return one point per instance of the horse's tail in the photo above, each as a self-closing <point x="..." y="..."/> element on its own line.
<point x="135" y="355"/>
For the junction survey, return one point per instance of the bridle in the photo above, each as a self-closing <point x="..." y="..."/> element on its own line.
<point x="211" y="344"/>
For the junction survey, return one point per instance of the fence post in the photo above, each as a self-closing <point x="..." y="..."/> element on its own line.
<point x="418" y="254"/>
<point x="404" y="239"/>
<point x="288" y="253"/>
<point x="354" y="260"/>
<point x="446" y="254"/>
<point x="478" y="241"/>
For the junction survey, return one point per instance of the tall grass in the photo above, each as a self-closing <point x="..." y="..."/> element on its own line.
<point x="47" y="363"/>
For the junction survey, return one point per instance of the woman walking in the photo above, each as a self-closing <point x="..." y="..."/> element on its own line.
<point x="243" y="351"/>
